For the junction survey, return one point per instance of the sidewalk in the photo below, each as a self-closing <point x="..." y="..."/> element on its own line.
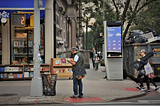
<point x="96" y="90"/>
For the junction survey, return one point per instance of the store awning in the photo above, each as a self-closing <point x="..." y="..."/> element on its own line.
<point x="7" y="7"/>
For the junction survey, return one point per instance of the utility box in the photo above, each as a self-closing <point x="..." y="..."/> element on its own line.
<point x="113" y="50"/>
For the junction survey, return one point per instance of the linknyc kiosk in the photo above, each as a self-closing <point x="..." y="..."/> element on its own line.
<point x="113" y="50"/>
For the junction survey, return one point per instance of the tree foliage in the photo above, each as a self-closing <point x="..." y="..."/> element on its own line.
<point x="148" y="18"/>
<point x="96" y="11"/>
<point x="127" y="11"/>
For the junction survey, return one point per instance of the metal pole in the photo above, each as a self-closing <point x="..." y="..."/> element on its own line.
<point x="86" y="33"/>
<point x="103" y="20"/>
<point x="83" y="41"/>
<point x="36" y="83"/>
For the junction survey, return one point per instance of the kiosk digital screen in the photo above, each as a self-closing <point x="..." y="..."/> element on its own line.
<point x="114" y="39"/>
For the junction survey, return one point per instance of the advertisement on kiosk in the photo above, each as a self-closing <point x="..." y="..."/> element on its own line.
<point x="114" y="39"/>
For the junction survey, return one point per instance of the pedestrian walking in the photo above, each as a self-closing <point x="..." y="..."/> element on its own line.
<point x="93" y="58"/>
<point x="96" y="62"/>
<point x="141" y="72"/>
<point x="76" y="62"/>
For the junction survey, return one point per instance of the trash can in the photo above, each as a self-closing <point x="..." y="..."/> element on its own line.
<point x="49" y="84"/>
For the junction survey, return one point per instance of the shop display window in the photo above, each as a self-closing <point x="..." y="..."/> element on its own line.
<point x="22" y="45"/>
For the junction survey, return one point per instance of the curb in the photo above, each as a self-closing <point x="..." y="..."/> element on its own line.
<point x="52" y="102"/>
<point x="131" y="97"/>
<point x="25" y="103"/>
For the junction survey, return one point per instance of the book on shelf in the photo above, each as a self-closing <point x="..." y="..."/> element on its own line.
<point x="15" y="43"/>
<point x="1" y="75"/>
<point x="25" y="43"/>
<point x="21" y="43"/>
<point x="24" y="35"/>
<point x="21" y="35"/>
<point x="5" y="75"/>
<point x="26" y="74"/>
<point x="57" y="62"/>
<point x="30" y="50"/>
<point x="30" y="33"/>
<point x="30" y="43"/>
<point x="2" y="69"/>
<point x="18" y="35"/>
<point x="31" y="74"/>
<point x="20" y="50"/>
<point x="20" y="69"/>
<point x="15" y="51"/>
<point x="68" y="63"/>
<point x="19" y="75"/>
<point x="43" y="69"/>
<point x="10" y="75"/>
<point x="63" y="61"/>
<point x="15" y="62"/>
<point x="11" y="69"/>
<point x="56" y="70"/>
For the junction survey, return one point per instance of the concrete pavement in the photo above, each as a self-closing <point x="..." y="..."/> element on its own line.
<point x="96" y="90"/>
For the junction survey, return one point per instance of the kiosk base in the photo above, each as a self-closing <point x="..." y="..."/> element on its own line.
<point x="115" y="68"/>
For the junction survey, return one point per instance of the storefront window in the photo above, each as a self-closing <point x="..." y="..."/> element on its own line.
<point x="22" y="45"/>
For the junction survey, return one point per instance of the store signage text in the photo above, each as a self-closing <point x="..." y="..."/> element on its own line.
<point x="4" y="14"/>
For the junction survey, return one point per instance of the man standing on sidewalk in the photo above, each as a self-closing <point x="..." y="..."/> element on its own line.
<point x="77" y="61"/>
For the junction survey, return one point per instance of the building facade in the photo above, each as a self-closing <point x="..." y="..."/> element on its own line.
<point x="58" y="31"/>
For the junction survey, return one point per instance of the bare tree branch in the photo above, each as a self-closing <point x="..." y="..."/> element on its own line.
<point x="130" y="22"/>
<point x="117" y="12"/>
<point x="136" y="6"/>
<point x="134" y="14"/>
<point x="126" y="30"/>
<point x="145" y="4"/>
<point x="125" y="11"/>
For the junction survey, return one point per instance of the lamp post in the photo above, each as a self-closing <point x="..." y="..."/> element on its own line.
<point x="36" y="83"/>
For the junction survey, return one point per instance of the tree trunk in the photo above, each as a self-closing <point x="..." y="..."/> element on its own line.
<point x="126" y="30"/>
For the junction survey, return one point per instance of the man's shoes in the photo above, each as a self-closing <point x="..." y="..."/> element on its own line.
<point x="73" y="97"/>
<point x="80" y="96"/>
<point x="105" y="77"/>
<point x="156" y="88"/>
